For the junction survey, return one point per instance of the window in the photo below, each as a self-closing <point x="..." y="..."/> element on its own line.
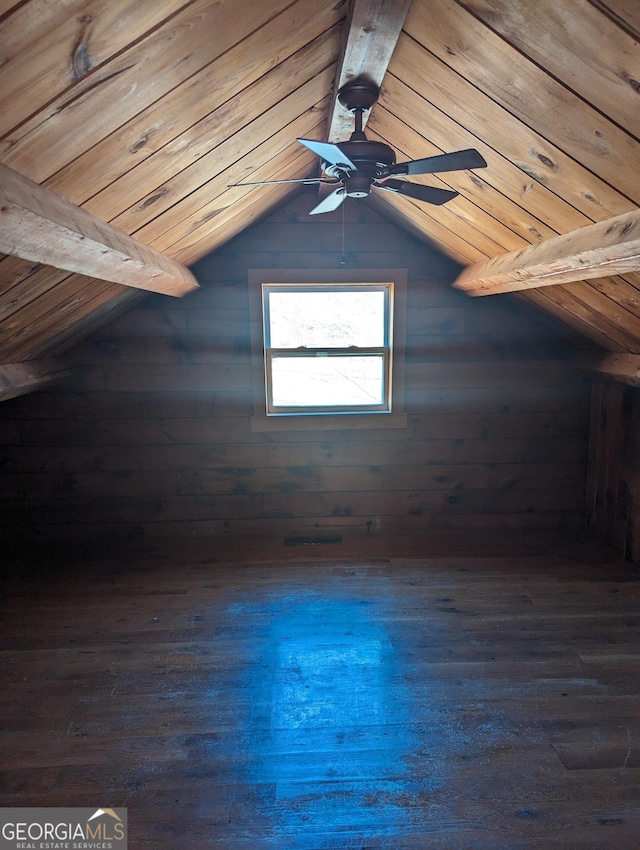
<point x="326" y="345"/>
<point x="327" y="348"/>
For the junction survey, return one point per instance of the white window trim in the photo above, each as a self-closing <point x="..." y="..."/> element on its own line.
<point x="302" y="420"/>
<point x="385" y="352"/>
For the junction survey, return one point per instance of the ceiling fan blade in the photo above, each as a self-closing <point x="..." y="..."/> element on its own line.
<point x="329" y="153"/>
<point x="457" y="161"/>
<point x="430" y="194"/>
<point x="308" y="181"/>
<point x="331" y="202"/>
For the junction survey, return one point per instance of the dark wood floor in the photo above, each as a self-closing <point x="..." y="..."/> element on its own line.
<point x="309" y="699"/>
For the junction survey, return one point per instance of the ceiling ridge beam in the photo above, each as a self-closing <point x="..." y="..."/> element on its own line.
<point x="373" y="29"/>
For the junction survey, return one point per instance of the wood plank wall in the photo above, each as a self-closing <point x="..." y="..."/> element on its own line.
<point x="613" y="487"/>
<point x="153" y="437"/>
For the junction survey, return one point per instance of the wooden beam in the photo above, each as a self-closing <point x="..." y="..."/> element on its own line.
<point x="606" y="248"/>
<point x="40" y="226"/>
<point x="616" y="366"/>
<point x="373" y="31"/>
<point x="22" y="378"/>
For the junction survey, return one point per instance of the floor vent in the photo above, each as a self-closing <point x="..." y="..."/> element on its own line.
<point x="313" y="540"/>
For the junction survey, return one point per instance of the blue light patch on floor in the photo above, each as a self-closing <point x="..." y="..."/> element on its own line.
<point x="330" y="726"/>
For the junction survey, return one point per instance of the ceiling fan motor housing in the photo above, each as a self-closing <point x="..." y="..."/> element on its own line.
<point x="371" y="159"/>
<point x="358" y="185"/>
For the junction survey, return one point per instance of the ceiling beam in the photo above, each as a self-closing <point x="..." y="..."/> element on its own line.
<point x="606" y="248"/>
<point x="373" y="30"/>
<point x="21" y="378"/>
<point x="40" y="226"/>
<point x="616" y="366"/>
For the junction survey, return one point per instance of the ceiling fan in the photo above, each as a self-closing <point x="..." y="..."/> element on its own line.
<point x="360" y="164"/>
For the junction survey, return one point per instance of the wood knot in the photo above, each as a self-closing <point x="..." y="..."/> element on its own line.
<point x="81" y="62"/>
<point x="153" y="198"/>
<point x="631" y="81"/>
<point x="546" y="161"/>
<point x="142" y="141"/>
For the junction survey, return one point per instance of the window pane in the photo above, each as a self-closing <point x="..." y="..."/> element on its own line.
<point x="327" y="381"/>
<point x="326" y="319"/>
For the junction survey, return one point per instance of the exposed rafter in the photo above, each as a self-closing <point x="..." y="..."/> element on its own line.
<point x="21" y="378"/>
<point x="606" y="248"/>
<point x="38" y="225"/>
<point x="618" y="367"/>
<point x="373" y="31"/>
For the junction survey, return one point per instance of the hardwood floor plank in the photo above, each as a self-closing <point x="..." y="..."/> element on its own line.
<point x="272" y="700"/>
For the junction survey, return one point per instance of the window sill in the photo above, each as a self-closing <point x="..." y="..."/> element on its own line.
<point x="329" y="422"/>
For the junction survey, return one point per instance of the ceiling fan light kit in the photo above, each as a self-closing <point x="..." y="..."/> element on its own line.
<point x="358" y="165"/>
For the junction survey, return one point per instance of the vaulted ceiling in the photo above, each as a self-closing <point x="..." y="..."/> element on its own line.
<point x="142" y="112"/>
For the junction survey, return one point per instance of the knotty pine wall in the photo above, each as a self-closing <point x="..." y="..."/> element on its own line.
<point x="152" y="436"/>
<point x="613" y="486"/>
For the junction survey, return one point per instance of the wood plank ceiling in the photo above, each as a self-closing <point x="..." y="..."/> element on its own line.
<point x="143" y="112"/>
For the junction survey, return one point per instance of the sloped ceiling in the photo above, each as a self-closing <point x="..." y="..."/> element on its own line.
<point x="143" y="112"/>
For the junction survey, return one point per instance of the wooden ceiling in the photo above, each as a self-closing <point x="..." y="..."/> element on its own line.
<point x="142" y="112"/>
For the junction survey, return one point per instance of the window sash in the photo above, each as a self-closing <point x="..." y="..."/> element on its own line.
<point x="386" y="288"/>
<point x="383" y="353"/>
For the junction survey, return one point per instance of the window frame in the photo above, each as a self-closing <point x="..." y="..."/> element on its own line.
<point x="384" y="351"/>
<point x="392" y="414"/>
